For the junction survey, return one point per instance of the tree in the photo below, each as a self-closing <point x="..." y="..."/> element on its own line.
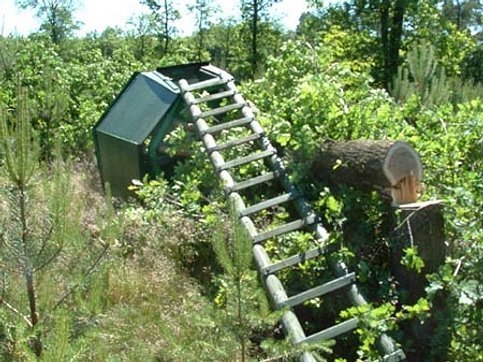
<point x="9" y="47"/>
<point x="56" y="16"/>
<point x="392" y="14"/>
<point x="380" y="20"/>
<point x="40" y="229"/>
<point x="386" y="18"/>
<point x="253" y="13"/>
<point x="472" y="69"/>
<point x="421" y="76"/>
<point x="203" y="9"/>
<point x="245" y="305"/>
<point x="463" y="13"/>
<point x="21" y="152"/>
<point x="143" y="29"/>
<point x="165" y="14"/>
<point x="394" y="25"/>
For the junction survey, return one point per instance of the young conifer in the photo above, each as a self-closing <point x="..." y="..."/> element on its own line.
<point x="44" y="255"/>
<point x="20" y="150"/>
<point x="245" y="303"/>
<point x="247" y="308"/>
<point x="421" y="76"/>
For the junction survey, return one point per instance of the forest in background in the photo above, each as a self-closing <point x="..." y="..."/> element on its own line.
<point x="83" y="280"/>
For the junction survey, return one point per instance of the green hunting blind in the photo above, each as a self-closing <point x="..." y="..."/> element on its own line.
<point x="128" y="136"/>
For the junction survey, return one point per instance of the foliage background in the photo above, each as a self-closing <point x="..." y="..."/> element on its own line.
<point x="327" y="80"/>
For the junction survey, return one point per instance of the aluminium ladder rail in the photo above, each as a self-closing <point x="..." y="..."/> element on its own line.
<point x="222" y="87"/>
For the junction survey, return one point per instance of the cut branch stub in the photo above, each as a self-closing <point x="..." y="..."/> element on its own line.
<point x="393" y="167"/>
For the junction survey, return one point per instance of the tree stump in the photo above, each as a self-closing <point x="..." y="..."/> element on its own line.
<point x="394" y="169"/>
<point x="391" y="167"/>
<point x="419" y="225"/>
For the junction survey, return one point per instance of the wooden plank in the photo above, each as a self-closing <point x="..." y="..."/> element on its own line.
<point x="293" y="260"/>
<point x="268" y="203"/>
<point x="227" y="125"/>
<point x="214" y="96"/>
<point x="254" y="181"/>
<point x="221" y="110"/>
<point x="333" y="331"/>
<point x="395" y="356"/>
<point x="319" y="291"/>
<point x="235" y="142"/>
<point x="285" y="229"/>
<point x="206" y="84"/>
<point x="247" y="159"/>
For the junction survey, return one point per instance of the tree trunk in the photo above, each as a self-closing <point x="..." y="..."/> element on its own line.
<point x="200" y="38"/>
<point x="384" y="18"/>
<point x="392" y="167"/>
<point x="28" y="269"/>
<point x="420" y="226"/>
<point x="393" y="58"/>
<point x="458" y="14"/>
<point x="256" y="9"/>
<point x="166" y="27"/>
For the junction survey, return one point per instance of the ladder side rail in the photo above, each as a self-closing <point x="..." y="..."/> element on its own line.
<point x="272" y="284"/>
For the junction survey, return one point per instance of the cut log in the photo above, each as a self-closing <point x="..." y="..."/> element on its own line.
<point x="393" y="167"/>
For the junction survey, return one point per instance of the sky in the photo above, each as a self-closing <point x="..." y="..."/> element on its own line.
<point x="96" y="15"/>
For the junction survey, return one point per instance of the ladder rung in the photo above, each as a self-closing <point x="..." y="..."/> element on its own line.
<point x="254" y="181"/>
<point x="396" y="356"/>
<point x="207" y="84"/>
<point x="293" y="260"/>
<point x="319" y="291"/>
<point x="214" y="97"/>
<point x="332" y="332"/>
<point x="247" y="159"/>
<point x="268" y="203"/>
<point x="227" y="125"/>
<point x="225" y="109"/>
<point x="284" y="229"/>
<point x="236" y="142"/>
<point x="211" y="69"/>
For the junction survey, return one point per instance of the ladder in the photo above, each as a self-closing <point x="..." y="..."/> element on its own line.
<point x="217" y="109"/>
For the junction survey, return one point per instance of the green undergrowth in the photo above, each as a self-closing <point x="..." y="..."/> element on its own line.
<point x="159" y="293"/>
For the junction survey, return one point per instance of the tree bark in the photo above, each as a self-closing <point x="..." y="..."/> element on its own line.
<point x="256" y="8"/>
<point x="391" y="167"/>
<point x="166" y="27"/>
<point x="384" y="18"/>
<point x="420" y="226"/>
<point x="28" y="269"/>
<point x="393" y="58"/>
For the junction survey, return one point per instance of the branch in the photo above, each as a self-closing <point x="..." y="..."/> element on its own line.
<point x="87" y="273"/>
<point x="48" y="261"/>
<point x="15" y="311"/>
<point x="10" y="269"/>
<point x="44" y="241"/>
